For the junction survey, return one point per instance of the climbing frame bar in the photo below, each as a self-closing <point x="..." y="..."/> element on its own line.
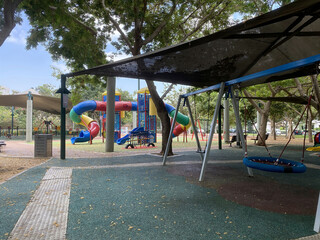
<point x="212" y="129"/>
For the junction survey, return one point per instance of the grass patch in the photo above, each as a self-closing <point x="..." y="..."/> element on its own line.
<point x="98" y="146"/>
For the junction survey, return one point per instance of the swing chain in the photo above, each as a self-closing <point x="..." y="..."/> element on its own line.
<point x="309" y="101"/>
<point x="259" y="135"/>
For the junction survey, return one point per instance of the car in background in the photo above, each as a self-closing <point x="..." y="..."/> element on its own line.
<point x="298" y="132"/>
<point x="313" y="132"/>
<point x="278" y="132"/>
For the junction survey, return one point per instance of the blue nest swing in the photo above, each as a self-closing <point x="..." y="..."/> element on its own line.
<point x="272" y="164"/>
<point x="279" y="164"/>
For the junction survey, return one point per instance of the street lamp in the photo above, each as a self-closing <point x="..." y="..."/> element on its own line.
<point x="12" y="114"/>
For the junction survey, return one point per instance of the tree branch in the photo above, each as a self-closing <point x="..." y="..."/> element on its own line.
<point x="191" y="14"/>
<point x="293" y="109"/>
<point x="299" y="87"/>
<point x="316" y="89"/>
<point x="273" y="92"/>
<point x="204" y="20"/>
<point x="248" y="95"/>
<point x="90" y="29"/>
<point x="161" y="25"/>
<point x="167" y="91"/>
<point x="117" y="26"/>
<point x="287" y="92"/>
<point x="144" y="9"/>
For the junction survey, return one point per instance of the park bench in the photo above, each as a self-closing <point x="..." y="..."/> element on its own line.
<point x="234" y="139"/>
<point x="2" y="143"/>
<point x="256" y="139"/>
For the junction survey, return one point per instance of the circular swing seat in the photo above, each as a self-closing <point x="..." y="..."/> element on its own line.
<point x="268" y="164"/>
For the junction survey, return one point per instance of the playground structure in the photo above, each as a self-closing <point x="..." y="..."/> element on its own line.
<point x="316" y="146"/>
<point x="278" y="45"/>
<point x="146" y="131"/>
<point x="137" y="137"/>
<point x="47" y="124"/>
<point x="92" y="125"/>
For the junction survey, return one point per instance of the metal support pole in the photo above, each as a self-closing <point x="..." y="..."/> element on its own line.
<point x="316" y="226"/>
<point x="236" y="97"/>
<point x="212" y="129"/>
<point x="238" y="124"/>
<point x="101" y="121"/>
<point x="29" y="118"/>
<point x="226" y="134"/>
<point x="171" y="132"/>
<point x="111" y="88"/>
<point x="219" y="128"/>
<point x="12" y="114"/>
<point x="63" y="119"/>
<point x="199" y="150"/>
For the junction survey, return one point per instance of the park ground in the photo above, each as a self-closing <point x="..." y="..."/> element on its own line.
<point x="128" y="194"/>
<point x="18" y="155"/>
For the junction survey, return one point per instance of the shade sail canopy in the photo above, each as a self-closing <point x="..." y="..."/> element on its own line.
<point x="288" y="34"/>
<point x="43" y="103"/>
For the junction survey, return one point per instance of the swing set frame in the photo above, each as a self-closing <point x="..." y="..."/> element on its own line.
<point x="228" y="88"/>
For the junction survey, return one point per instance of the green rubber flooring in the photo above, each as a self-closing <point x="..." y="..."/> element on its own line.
<point x="149" y="202"/>
<point x="15" y="195"/>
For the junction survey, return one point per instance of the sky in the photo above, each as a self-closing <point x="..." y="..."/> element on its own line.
<point x="22" y="69"/>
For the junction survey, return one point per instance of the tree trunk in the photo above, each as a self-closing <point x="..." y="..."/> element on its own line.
<point x="264" y="118"/>
<point x="273" y="129"/>
<point x="163" y="115"/>
<point x="263" y="129"/>
<point x="290" y="129"/>
<point x="9" y="9"/>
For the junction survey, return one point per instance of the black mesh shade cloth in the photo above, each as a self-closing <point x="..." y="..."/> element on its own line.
<point x="288" y="34"/>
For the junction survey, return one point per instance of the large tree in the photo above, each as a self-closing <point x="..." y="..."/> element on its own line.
<point x="263" y="107"/>
<point x="302" y="88"/>
<point x="9" y="17"/>
<point x="80" y="30"/>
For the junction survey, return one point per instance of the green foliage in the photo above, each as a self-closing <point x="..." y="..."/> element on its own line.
<point x="47" y="90"/>
<point x="67" y="29"/>
<point x="87" y="91"/>
<point x="173" y="96"/>
<point x="126" y="96"/>
<point x="20" y="117"/>
<point x="277" y="111"/>
<point x="203" y="105"/>
<point x="5" y="117"/>
<point x="79" y="31"/>
<point x="252" y="8"/>
<point x="247" y="112"/>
